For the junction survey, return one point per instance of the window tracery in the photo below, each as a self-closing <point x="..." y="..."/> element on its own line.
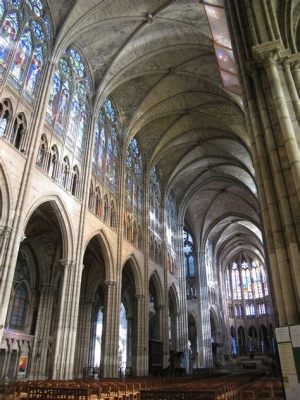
<point x="134" y="179"/>
<point x="171" y="219"/>
<point x="25" y="37"/>
<point x="68" y="104"/>
<point x="189" y="264"/>
<point x="107" y="146"/>
<point x="155" y="201"/>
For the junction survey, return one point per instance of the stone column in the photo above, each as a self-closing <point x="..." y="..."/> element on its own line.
<point x="268" y="119"/>
<point x="41" y="339"/>
<point x="110" y="338"/>
<point x="269" y="53"/>
<point x="286" y="65"/>
<point x="66" y="331"/>
<point x="206" y="357"/>
<point x="129" y="343"/>
<point x="5" y="233"/>
<point x="83" y="337"/>
<point x="294" y="61"/>
<point x="160" y="318"/>
<point x="140" y="364"/>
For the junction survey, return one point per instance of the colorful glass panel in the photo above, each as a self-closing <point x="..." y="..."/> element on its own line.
<point x="54" y="96"/>
<point x="38" y="31"/>
<point x="47" y="25"/>
<point x="36" y="6"/>
<point x="2" y="9"/>
<point x="34" y="70"/>
<point x="16" y="3"/>
<point x="8" y="33"/>
<point x="63" y="63"/>
<point x="62" y="106"/>
<point x="22" y="58"/>
<point x="76" y="62"/>
<point x="109" y="109"/>
<point x="73" y="122"/>
<point x="81" y="135"/>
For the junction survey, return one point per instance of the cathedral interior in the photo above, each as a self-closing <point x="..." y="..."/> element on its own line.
<point x="149" y="184"/>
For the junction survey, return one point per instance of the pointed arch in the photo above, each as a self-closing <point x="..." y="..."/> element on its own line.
<point x="136" y="271"/>
<point x="106" y="247"/>
<point x="155" y="278"/>
<point x="66" y="228"/>
<point x="173" y="296"/>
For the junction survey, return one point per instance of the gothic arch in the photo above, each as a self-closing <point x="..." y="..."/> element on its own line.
<point x="65" y="223"/>
<point x="106" y="251"/>
<point x="173" y="296"/>
<point x="136" y="271"/>
<point x="155" y="279"/>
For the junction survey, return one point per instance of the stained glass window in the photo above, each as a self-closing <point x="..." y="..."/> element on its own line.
<point x="228" y="286"/>
<point x="8" y="32"/>
<point x="28" y="54"/>
<point x="236" y="283"/>
<point x="189" y="254"/>
<point x="22" y="58"/>
<point x="134" y="176"/>
<point x="171" y="218"/>
<point x="107" y="146"/>
<point x="209" y="263"/>
<point x="68" y="104"/>
<point x="155" y="201"/>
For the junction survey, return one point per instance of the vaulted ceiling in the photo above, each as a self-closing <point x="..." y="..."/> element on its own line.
<point x="157" y="60"/>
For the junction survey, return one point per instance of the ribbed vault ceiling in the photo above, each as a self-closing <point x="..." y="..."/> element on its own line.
<point x="156" y="59"/>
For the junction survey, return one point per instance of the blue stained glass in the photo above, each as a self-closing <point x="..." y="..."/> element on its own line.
<point x="97" y="138"/>
<point x="8" y="32"/>
<point x="22" y="58"/>
<point x="37" y="29"/>
<point x="80" y="142"/>
<point x="2" y="9"/>
<point x="65" y="67"/>
<point x="34" y="70"/>
<point x="16" y="3"/>
<point x="77" y="65"/>
<point x="82" y="90"/>
<point x="134" y="147"/>
<point x="36" y="6"/>
<point x="54" y="95"/>
<point x="73" y="123"/>
<point x="47" y="25"/>
<point x="109" y="109"/>
<point x="109" y="145"/>
<point x="63" y="105"/>
<point x="129" y="161"/>
<point x="101" y="117"/>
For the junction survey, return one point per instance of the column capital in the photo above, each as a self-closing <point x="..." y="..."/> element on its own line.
<point x="140" y="297"/>
<point x="5" y="231"/>
<point x="110" y="283"/>
<point x="68" y="265"/>
<point x="269" y="52"/>
<point x="294" y="60"/>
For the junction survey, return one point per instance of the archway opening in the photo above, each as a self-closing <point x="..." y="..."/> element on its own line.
<point x="128" y="335"/>
<point x="91" y="310"/>
<point x="36" y="282"/>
